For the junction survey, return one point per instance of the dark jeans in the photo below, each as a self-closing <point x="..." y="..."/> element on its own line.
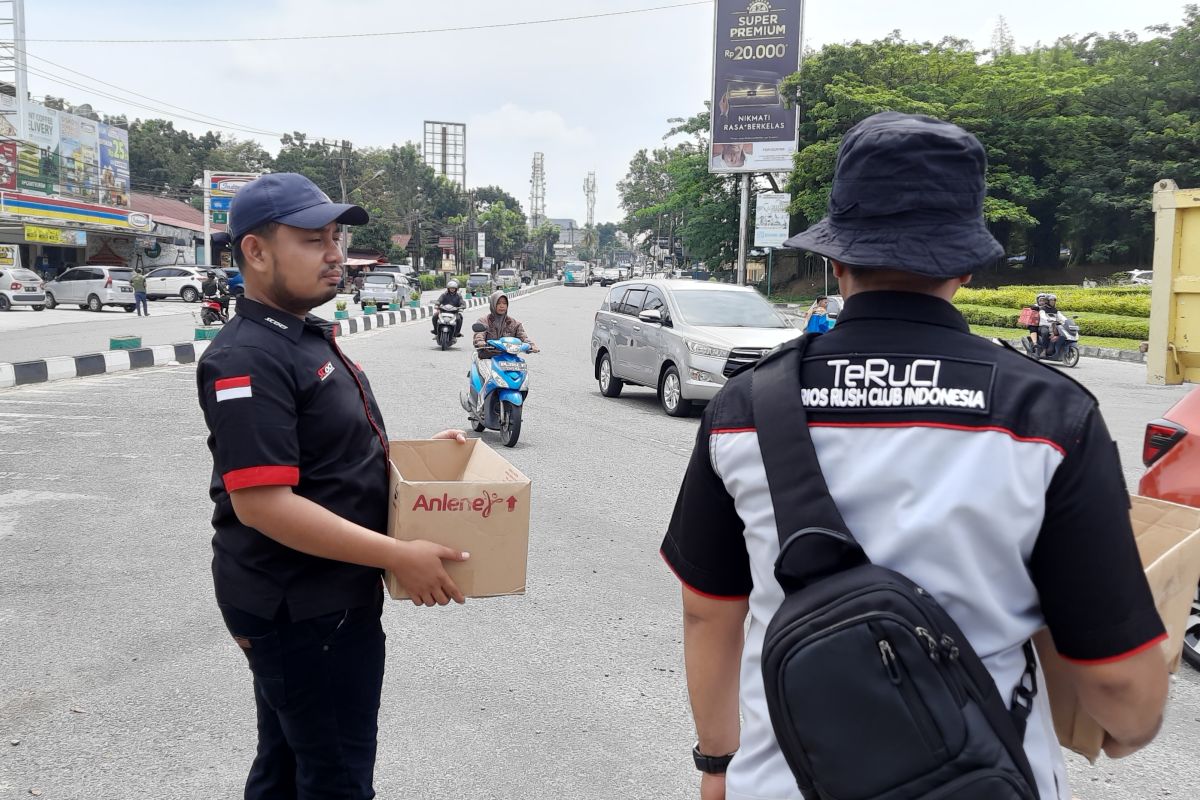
<point x="316" y="686"/>
<point x="139" y="302"/>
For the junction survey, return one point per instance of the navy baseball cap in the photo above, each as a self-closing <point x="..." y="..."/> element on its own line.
<point x="290" y="199"/>
<point x="907" y="195"/>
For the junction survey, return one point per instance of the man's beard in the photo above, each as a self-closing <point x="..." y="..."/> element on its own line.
<point x="298" y="304"/>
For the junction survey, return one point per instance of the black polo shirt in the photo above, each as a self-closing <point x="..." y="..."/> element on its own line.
<point x="285" y="407"/>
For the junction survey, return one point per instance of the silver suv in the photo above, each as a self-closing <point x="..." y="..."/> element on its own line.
<point x="92" y="288"/>
<point x="682" y="338"/>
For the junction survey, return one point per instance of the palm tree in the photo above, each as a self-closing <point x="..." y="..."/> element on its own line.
<point x="590" y="239"/>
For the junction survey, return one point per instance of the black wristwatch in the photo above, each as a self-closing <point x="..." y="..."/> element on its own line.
<point x="713" y="765"/>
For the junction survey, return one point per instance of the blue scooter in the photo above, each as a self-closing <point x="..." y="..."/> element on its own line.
<point x="498" y="388"/>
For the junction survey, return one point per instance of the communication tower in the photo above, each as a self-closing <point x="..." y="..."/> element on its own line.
<point x="537" y="192"/>
<point x="589" y="190"/>
<point x="12" y="69"/>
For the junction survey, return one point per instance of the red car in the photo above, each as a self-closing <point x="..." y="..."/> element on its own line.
<point x="1171" y="453"/>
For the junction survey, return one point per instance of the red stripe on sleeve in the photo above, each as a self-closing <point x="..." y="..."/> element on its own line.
<point x="233" y="383"/>
<point x="694" y="590"/>
<point x="250" y="477"/>
<point x="1092" y="662"/>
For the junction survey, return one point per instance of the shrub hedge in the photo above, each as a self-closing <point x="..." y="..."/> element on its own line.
<point x="1126" y="301"/>
<point x="1090" y="324"/>
<point x="429" y="282"/>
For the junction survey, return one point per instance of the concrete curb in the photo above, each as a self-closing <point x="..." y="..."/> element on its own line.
<point x="1105" y="353"/>
<point x="44" y="370"/>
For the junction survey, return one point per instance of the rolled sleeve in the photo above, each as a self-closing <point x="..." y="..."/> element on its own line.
<point x="249" y="402"/>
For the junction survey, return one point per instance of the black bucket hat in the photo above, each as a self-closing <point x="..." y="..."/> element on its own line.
<point x="907" y="195"/>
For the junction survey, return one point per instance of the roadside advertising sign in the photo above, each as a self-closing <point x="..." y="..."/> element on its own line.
<point x="757" y="45"/>
<point x="771" y="220"/>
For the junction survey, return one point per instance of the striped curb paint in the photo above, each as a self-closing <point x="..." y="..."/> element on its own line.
<point x="43" y="370"/>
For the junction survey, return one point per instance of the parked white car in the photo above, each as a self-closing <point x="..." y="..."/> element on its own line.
<point x="21" y="287"/>
<point x="92" y="288"/>
<point x="183" y="282"/>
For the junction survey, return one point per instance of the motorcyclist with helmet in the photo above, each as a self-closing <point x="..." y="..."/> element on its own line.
<point x="1049" y="320"/>
<point x="213" y="288"/>
<point x="451" y="297"/>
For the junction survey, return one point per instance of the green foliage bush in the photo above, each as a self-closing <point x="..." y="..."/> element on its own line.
<point x="1126" y="301"/>
<point x="1113" y="325"/>
<point x="428" y="282"/>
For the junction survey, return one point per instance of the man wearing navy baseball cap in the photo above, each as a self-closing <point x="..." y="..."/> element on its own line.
<point x="300" y="484"/>
<point x="986" y="478"/>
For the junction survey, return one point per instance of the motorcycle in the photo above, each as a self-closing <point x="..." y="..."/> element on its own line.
<point x="499" y="387"/>
<point x="447" y="324"/>
<point x="1064" y="345"/>
<point x="215" y="310"/>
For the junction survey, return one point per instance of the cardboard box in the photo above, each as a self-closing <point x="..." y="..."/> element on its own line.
<point x="468" y="497"/>
<point x="1168" y="539"/>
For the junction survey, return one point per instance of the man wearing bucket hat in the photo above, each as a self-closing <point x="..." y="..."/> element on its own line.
<point x="300" y="483"/>
<point x="996" y="486"/>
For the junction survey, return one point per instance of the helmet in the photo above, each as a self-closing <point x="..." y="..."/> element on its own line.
<point x="1041" y="296"/>
<point x="1051" y="298"/>
<point x="452" y="285"/>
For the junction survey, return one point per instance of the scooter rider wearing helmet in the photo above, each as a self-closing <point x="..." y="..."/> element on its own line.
<point x="451" y="297"/>
<point x="1049" y="320"/>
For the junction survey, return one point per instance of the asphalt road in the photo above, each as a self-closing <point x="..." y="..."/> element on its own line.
<point x="118" y="680"/>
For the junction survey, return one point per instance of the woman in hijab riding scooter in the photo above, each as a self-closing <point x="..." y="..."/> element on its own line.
<point x="499" y="324"/>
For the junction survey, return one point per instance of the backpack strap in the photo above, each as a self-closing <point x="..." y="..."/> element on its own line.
<point x="814" y="540"/>
<point x="1024" y="692"/>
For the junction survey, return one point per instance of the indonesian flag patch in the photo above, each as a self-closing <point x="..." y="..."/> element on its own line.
<point x="233" y="388"/>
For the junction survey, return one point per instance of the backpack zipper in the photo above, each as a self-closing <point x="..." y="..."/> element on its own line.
<point x="921" y="717"/>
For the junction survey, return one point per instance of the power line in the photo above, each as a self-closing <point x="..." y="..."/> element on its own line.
<point x="383" y="34"/>
<point x="237" y="125"/>
<point x="58" y="79"/>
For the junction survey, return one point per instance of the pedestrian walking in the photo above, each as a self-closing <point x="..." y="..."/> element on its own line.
<point x="138" y="282"/>
<point x="989" y="481"/>
<point x="300" y="484"/>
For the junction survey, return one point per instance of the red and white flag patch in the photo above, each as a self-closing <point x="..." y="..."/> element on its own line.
<point x="325" y="371"/>
<point x="233" y="388"/>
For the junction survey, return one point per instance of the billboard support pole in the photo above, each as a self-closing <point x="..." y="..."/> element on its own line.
<point x="743" y="222"/>
<point x="208" y="218"/>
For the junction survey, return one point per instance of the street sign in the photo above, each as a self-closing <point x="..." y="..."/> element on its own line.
<point x="220" y="203"/>
<point x="220" y="217"/>
<point x="771" y="220"/>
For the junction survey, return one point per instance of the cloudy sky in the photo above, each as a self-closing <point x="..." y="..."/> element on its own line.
<point x="588" y="94"/>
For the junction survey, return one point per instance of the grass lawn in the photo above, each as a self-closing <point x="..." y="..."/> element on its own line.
<point x="1095" y="341"/>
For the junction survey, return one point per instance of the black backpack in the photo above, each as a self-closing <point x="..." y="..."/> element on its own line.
<point x="874" y="693"/>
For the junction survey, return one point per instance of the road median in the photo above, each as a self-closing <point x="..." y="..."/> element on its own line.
<point x="43" y="370"/>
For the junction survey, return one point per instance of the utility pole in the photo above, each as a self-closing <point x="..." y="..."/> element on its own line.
<point x="743" y="222"/>
<point x="343" y="150"/>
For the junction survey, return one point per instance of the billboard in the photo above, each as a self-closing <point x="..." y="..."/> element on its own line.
<point x="65" y="155"/>
<point x="37" y="155"/>
<point x="114" y="166"/>
<point x="8" y="165"/>
<point x="757" y="45"/>
<point x="771" y="220"/>
<point x="444" y="147"/>
<point x="78" y="157"/>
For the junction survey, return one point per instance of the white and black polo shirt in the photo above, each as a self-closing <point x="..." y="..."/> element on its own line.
<point x="986" y="478"/>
